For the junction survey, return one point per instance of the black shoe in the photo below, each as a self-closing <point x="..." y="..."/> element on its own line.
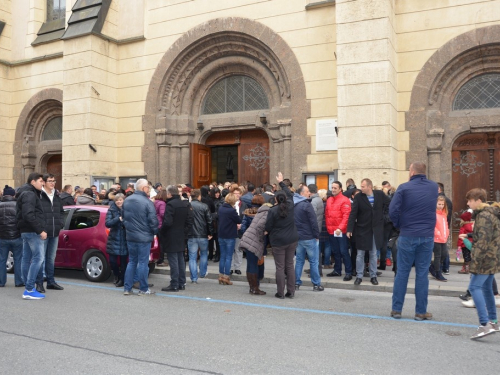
<point x="238" y="272"/>
<point x="307" y="271"/>
<point x="231" y="272"/>
<point x="333" y="274"/>
<point x="170" y="288"/>
<point x="297" y="286"/>
<point x="117" y="279"/>
<point x="289" y="295"/>
<point x="357" y="281"/>
<point x="318" y="288"/>
<point x="347" y="277"/>
<point x="374" y="281"/>
<point x="366" y="273"/>
<point x="379" y="273"/>
<point x="216" y="259"/>
<point x="381" y="268"/>
<point x="40" y="288"/>
<point x="277" y="295"/>
<point x="182" y="287"/>
<point x="20" y="285"/>
<point x="464" y="297"/>
<point x="55" y="286"/>
<point x="119" y="284"/>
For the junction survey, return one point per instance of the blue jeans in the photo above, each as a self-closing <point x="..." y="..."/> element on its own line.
<point x="33" y="257"/>
<point x="226" y="254"/>
<point x="481" y="289"/>
<point x="341" y="254"/>
<point x="16" y="246"/>
<point x="193" y="245"/>
<point x="252" y="263"/>
<point x="138" y="259"/>
<point x="411" y="250"/>
<point x="48" y="263"/>
<point x="360" y="261"/>
<point x="326" y="250"/>
<point x="446" y="262"/>
<point x="312" y="249"/>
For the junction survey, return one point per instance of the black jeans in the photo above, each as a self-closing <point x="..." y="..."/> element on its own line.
<point x="177" y="269"/>
<point x="118" y="270"/>
<point x="440" y="251"/>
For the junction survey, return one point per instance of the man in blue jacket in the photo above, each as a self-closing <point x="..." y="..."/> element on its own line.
<point x="413" y="211"/>
<point x="141" y="224"/>
<point x="307" y="227"/>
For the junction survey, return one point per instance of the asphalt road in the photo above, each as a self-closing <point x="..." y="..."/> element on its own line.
<point x="209" y="328"/>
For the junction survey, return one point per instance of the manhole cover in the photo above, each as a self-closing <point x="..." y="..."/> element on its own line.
<point x="453" y="333"/>
<point x="346" y="299"/>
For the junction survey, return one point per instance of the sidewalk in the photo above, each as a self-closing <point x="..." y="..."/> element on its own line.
<point x="456" y="284"/>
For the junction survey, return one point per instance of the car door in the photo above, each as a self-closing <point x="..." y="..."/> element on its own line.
<point x="63" y="251"/>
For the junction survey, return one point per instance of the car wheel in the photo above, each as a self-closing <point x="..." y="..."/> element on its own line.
<point x="151" y="267"/>
<point x="96" y="267"/>
<point x="10" y="263"/>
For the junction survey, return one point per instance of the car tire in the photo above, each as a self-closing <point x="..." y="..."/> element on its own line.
<point x="151" y="267"/>
<point x="96" y="267"/>
<point x="10" y="263"/>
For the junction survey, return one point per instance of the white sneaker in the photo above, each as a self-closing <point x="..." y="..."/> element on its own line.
<point x="469" y="303"/>
<point x="483" y="331"/>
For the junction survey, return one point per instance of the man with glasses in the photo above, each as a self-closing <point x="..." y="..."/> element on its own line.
<point x="54" y="221"/>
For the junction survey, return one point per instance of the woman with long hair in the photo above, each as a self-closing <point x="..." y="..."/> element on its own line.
<point x="229" y="223"/>
<point x="283" y="236"/>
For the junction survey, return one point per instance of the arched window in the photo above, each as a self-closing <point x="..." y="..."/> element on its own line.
<point x="53" y="130"/>
<point x="480" y="92"/>
<point x="56" y="9"/>
<point x="235" y="94"/>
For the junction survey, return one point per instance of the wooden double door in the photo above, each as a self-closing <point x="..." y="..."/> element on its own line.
<point x="475" y="164"/>
<point x="239" y="155"/>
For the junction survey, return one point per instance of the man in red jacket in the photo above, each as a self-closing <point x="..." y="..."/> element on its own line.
<point x="338" y="208"/>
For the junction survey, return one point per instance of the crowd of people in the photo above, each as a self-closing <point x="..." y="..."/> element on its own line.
<point x="354" y="232"/>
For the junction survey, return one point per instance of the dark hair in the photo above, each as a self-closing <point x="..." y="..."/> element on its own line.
<point x="354" y="192"/>
<point x="280" y="197"/>
<point x="313" y="188"/>
<point x="213" y="192"/>
<point x="66" y="187"/>
<point x="162" y="195"/>
<point x="385" y="183"/>
<point x="441" y="186"/>
<point x="88" y="191"/>
<point x="268" y="188"/>
<point x="110" y="191"/>
<point x="349" y="181"/>
<point x="195" y="193"/>
<point x="258" y="200"/>
<point x="258" y="191"/>
<point x="250" y="187"/>
<point x="34" y="176"/>
<point x="300" y="189"/>
<point x="287" y="182"/>
<point x="477" y="194"/>
<point x="46" y="176"/>
<point x="338" y="183"/>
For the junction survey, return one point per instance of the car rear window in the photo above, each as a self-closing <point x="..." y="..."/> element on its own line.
<point x="84" y="219"/>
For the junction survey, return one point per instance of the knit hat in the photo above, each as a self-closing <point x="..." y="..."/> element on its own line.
<point x="466" y="216"/>
<point x="9" y="191"/>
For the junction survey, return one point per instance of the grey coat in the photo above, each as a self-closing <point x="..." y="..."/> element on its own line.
<point x="253" y="239"/>
<point x="319" y="208"/>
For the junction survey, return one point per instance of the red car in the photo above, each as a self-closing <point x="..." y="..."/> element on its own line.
<point x="82" y="243"/>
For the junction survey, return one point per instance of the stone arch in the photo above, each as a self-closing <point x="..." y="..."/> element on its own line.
<point x="29" y="152"/>
<point x="204" y="55"/>
<point x="432" y="124"/>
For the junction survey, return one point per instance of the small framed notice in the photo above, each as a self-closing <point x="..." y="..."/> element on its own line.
<point x="326" y="135"/>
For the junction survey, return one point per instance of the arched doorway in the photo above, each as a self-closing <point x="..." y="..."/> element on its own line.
<point x="237" y="155"/>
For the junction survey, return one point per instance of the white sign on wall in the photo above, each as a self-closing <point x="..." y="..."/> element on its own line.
<point x="326" y="136"/>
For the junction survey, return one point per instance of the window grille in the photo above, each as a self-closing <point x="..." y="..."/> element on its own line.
<point x="235" y="94"/>
<point x="480" y="92"/>
<point x="53" y="130"/>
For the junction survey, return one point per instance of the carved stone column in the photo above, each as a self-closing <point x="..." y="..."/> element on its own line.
<point x="276" y="149"/>
<point x="164" y="141"/>
<point x="183" y="173"/>
<point x="286" y="134"/>
<point x="434" y="148"/>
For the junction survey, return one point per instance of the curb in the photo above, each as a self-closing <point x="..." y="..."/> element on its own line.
<point x="386" y="287"/>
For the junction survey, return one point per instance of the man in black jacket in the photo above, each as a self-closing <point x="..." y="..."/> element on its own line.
<point x="174" y="231"/>
<point x="54" y="222"/>
<point x="366" y="220"/>
<point x="66" y="197"/>
<point x="199" y="234"/>
<point x="31" y="223"/>
<point x="10" y="237"/>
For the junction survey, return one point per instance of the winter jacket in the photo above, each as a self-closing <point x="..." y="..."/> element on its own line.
<point x="139" y="218"/>
<point x="253" y="238"/>
<point x="85" y="199"/>
<point x="202" y="220"/>
<point x="228" y="219"/>
<point x="29" y="211"/>
<point x="319" y="208"/>
<point x="413" y="207"/>
<point x="247" y="199"/>
<point x="465" y="228"/>
<point x="449" y="204"/>
<point x="441" y="231"/>
<point x="54" y="214"/>
<point x="305" y="218"/>
<point x="485" y="251"/>
<point x="67" y="199"/>
<point x="338" y="208"/>
<point x="160" y="211"/>
<point x="282" y="230"/>
<point x="8" y="223"/>
<point x="176" y="224"/>
<point x="117" y="242"/>
<point x="323" y="234"/>
<point x="269" y="197"/>
<point x="366" y="222"/>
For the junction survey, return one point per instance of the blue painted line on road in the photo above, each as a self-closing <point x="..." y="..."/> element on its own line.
<point x="283" y="308"/>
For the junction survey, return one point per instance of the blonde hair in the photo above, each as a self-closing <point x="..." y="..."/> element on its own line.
<point x="230" y="199"/>
<point x="322" y="193"/>
<point x="442" y="198"/>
